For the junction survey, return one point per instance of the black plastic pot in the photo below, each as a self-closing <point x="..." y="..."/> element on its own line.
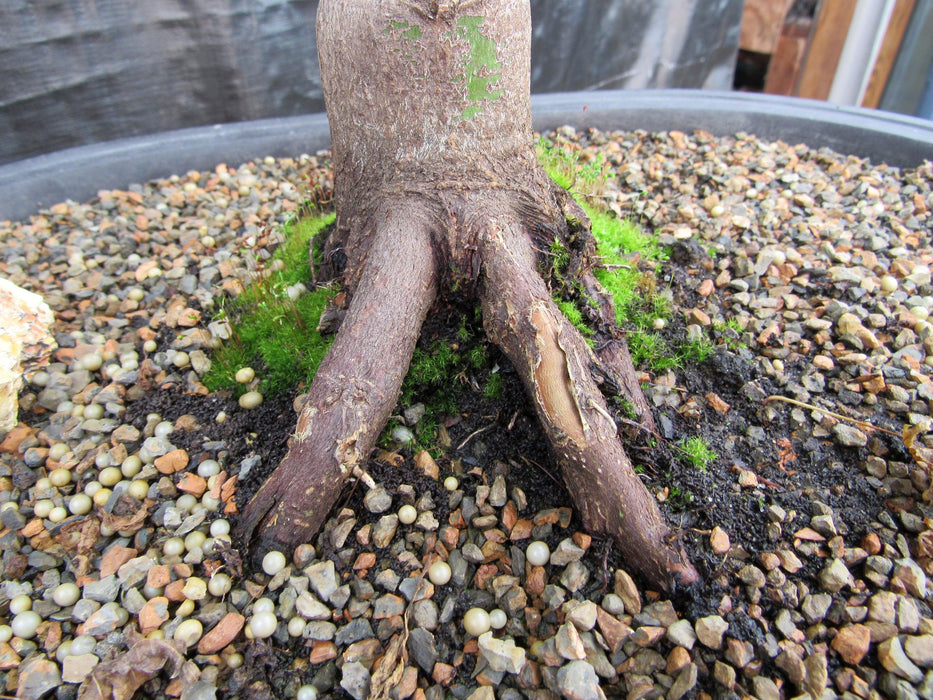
<point x="78" y="173"/>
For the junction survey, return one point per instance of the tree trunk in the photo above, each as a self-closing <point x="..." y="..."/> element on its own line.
<point x="438" y="187"/>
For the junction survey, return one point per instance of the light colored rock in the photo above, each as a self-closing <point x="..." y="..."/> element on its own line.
<point x="685" y="682"/>
<point x="577" y="680"/>
<point x="817" y="674"/>
<point x="920" y="650"/>
<point x="908" y="615"/>
<point x="26" y="343"/>
<point x="356" y="680"/>
<point x="835" y="576"/>
<point x="76" y="668"/>
<point x="709" y="631"/>
<point x="502" y="654"/>
<point x="849" y="436"/>
<point x="38" y="676"/>
<point x="626" y="589"/>
<point x="912" y="576"/>
<point x="892" y="657"/>
<point x="565" y="553"/>
<point x="323" y="578"/>
<point x="310" y="608"/>
<point x="484" y="692"/>
<point x="568" y="643"/>
<point x="681" y="633"/>
<point x="765" y="688"/>
<point x="583" y="616"/>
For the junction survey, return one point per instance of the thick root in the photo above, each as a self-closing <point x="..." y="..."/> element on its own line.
<point x="553" y="360"/>
<point x="356" y="386"/>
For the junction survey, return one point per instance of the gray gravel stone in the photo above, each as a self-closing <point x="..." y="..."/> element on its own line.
<point x="323" y="579"/>
<point x="423" y="649"/>
<point x="354" y="631"/>
<point x="577" y="680"/>
<point x="103" y="591"/>
<point x="378" y="500"/>
<point x="356" y="680"/>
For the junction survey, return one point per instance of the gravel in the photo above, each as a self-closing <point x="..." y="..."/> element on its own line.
<point x="809" y="271"/>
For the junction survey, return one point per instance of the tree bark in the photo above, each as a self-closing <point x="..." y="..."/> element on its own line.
<point x="438" y="187"/>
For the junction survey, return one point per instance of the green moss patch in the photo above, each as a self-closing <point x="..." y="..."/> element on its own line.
<point x="274" y="321"/>
<point x="630" y="261"/>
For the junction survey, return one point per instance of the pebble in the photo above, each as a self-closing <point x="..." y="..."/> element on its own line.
<point x="356" y="680"/>
<point x="892" y="657"/>
<point x="577" y="680"/>
<point x="710" y="630"/>
<point x="501" y="654"/>
<point x="835" y="576"/>
<point x="423" y="649"/>
<point x="222" y="634"/>
<point x="568" y="643"/>
<point x="38" y="676"/>
<point x="377" y="500"/>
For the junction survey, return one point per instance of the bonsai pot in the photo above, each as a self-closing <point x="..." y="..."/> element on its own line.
<point x="78" y="173"/>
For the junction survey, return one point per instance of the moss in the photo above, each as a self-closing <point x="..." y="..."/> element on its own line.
<point x="493" y="388"/>
<point x="272" y="332"/>
<point x="625" y="250"/>
<point x="697" y="452"/>
<point x="585" y="180"/>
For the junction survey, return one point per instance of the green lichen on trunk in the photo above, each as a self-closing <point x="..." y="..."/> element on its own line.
<point x="482" y="69"/>
<point x="411" y="32"/>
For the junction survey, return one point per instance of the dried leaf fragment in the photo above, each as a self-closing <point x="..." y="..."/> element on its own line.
<point x="121" y="678"/>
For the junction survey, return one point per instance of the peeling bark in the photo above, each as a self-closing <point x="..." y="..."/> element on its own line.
<point x="437" y="187"/>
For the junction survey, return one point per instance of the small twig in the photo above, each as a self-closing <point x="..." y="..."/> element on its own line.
<point x="546" y="472"/>
<point x="865" y="425"/>
<point x="474" y="434"/>
<point x="512" y="421"/>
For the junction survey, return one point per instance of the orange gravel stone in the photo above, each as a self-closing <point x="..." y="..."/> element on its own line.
<point x="323" y="651"/>
<point x="153" y="614"/>
<point x="719" y="540"/>
<point x="222" y="634"/>
<point x="521" y="530"/>
<point x="33" y="528"/>
<point x="445" y="674"/>
<point x="14" y="438"/>
<point x="172" y="462"/>
<point x="159" y="576"/>
<point x="173" y="591"/>
<point x="851" y="643"/>
<point x="582" y="540"/>
<point x="114" y="558"/>
<point x="193" y="484"/>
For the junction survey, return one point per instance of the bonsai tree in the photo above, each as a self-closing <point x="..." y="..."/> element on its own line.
<point x="437" y="189"/>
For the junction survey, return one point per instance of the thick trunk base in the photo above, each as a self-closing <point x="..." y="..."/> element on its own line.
<point x="438" y="188"/>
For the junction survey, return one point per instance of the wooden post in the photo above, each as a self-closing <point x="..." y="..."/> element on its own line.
<point x="897" y="26"/>
<point x="826" y="44"/>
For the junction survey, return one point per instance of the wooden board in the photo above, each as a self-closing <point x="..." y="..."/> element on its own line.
<point x="897" y="26"/>
<point x="826" y="44"/>
<point x="761" y="24"/>
<point x="784" y="68"/>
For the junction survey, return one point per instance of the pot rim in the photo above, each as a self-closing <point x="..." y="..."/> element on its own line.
<point x="32" y="184"/>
